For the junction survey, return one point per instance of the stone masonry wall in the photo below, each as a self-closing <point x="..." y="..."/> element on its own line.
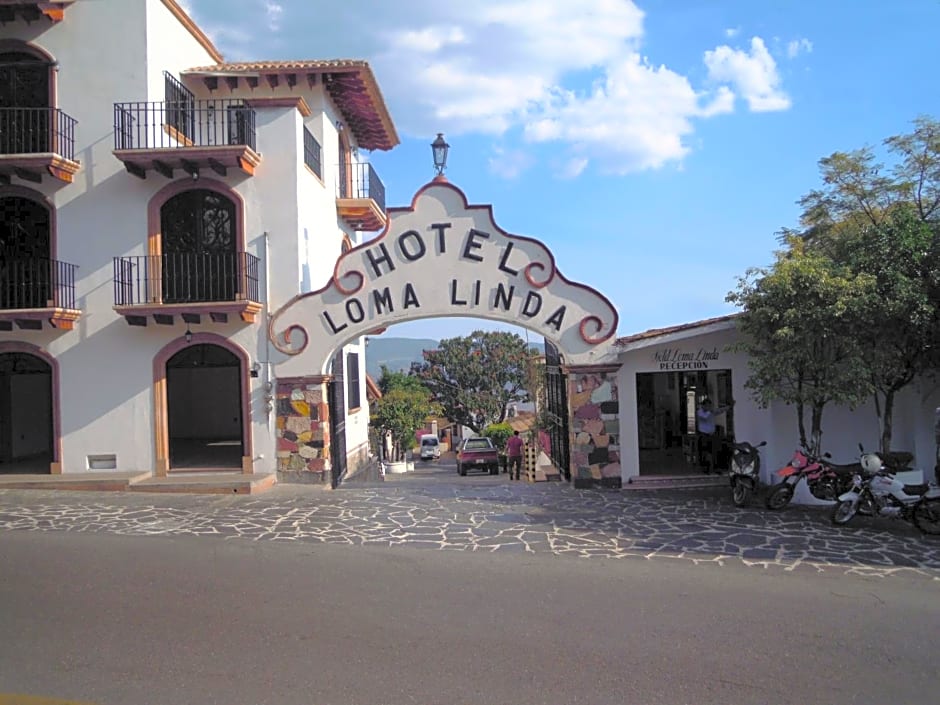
<point x="303" y="430"/>
<point x="594" y="426"/>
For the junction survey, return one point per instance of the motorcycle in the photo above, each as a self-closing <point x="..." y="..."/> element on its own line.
<point x="745" y="471"/>
<point x="824" y="479"/>
<point x="887" y="496"/>
<point x="800" y="465"/>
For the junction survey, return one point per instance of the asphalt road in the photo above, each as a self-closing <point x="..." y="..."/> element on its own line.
<point x="172" y="619"/>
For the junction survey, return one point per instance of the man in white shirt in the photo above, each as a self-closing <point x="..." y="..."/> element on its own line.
<point x="708" y="446"/>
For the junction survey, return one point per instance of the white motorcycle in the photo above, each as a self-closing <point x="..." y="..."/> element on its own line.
<point x="876" y="491"/>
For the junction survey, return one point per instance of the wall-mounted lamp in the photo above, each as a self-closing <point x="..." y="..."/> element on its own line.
<point x="188" y="334"/>
<point x="339" y="125"/>
<point x="195" y="174"/>
<point x="440" y="148"/>
<point x="255" y="368"/>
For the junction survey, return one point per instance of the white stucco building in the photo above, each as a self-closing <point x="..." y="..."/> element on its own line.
<point x="156" y="205"/>
<point x="662" y="374"/>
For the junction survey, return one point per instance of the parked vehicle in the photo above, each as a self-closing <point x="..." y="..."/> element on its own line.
<point x="744" y="474"/>
<point x="824" y="479"/>
<point x="800" y="466"/>
<point x="430" y="447"/>
<point x="477" y="453"/>
<point x="884" y="495"/>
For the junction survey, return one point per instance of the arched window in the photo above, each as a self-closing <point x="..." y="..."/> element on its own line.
<point x="198" y="247"/>
<point x="25" y="96"/>
<point x="25" y="251"/>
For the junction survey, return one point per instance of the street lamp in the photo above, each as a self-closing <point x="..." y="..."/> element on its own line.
<point x="439" y="147"/>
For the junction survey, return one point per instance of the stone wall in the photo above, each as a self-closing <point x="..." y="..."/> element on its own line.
<point x="594" y="426"/>
<point x="303" y="430"/>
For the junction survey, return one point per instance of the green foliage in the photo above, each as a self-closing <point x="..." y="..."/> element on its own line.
<point x="499" y="433"/>
<point x="402" y="410"/>
<point x="475" y="378"/>
<point x="799" y="332"/>
<point x="850" y="306"/>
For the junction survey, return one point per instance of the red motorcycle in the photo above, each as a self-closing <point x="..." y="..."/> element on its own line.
<point x="826" y="480"/>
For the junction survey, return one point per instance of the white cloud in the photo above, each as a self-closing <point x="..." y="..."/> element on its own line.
<point x="732" y="32"/>
<point x="799" y="46"/>
<point x="274" y="12"/>
<point x="567" y="74"/>
<point x="753" y="74"/>
<point x="509" y="164"/>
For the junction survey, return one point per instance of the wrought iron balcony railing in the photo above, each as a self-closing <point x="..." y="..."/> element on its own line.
<point x="36" y="283"/>
<point x="37" y="131"/>
<point x="197" y="123"/>
<point x="360" y="181"/>
<point x="185" y="277"/>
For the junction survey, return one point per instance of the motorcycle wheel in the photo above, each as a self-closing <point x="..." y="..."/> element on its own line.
<point x="843" y="512"/>
<point x="926" y="517"/>
<point x="779" y="496"/>
<point x="740" y="494"/>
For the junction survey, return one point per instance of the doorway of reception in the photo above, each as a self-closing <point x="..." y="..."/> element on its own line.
<point x="669" y="439"/>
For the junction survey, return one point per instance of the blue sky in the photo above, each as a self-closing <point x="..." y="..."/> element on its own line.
<point x="655" y="146"/>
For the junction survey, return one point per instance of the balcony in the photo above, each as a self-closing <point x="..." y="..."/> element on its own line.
<point x="360" y="197"/>
<point x="35" y="142"/>
<point x="37" y="290"/>
<point x="187" y="284"/>
<point x="186" y="136"/>
<point x="32" y="10"/>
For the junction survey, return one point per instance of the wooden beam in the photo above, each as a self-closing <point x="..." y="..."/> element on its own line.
<point x="164" y="319"/>
<point x="6" y="325"/>
<point x="29" y="324"/>
<point x="273" y="80"/>
<point x="163" y="168"/>
<point x="5" y="179"/>
<point x="190" y="168"/>
<point x="218" y="167"/>
<point x="191" y="317"/>
<point x="291" y="79"/>
<point x="219" y="317"/>
<point x="135" y="169"/>
<point x="232" y="83"/>
<point x="252" y="81"/>
<point x="211" y="82"/>
<point x="136" y="321"/>
<point x="311" y="79"/>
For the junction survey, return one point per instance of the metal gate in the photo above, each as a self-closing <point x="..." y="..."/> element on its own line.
<point x="556" y="400"/>
<point x="337" y="404"/>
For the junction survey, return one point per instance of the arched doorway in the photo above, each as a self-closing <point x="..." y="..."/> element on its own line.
<point x="205" y="414"/>
<point x="198" y="239"/>
<point x="26" y="413"/>
<point x="25" y="253"/>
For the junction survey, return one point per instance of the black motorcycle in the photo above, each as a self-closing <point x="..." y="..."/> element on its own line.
<point x="744" y="473"/>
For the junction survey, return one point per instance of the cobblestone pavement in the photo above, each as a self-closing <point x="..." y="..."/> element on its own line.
<point x="492" y="514"/>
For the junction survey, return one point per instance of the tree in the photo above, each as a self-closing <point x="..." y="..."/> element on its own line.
<point x="799" y="330"/>
<point x="475" y="378"/>
<point x="900" y="315"/>
<point x="402" y="410"/>
<point x="858" y="190"/>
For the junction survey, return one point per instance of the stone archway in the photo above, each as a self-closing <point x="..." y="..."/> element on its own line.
<point x="441" y="257"/>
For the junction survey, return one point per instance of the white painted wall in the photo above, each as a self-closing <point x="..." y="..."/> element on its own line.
<point x="843" y="428"/>
<point x="111" y="51"/>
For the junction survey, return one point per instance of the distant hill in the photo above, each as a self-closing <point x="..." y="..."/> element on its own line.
<point x="397" y="354"/>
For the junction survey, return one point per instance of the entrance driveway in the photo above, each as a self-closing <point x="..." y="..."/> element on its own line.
<point x="434" y="509"/>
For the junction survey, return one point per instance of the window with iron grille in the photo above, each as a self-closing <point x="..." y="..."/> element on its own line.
<point x="352" y="377"/>
<point x="180" y="106"/>
<point x="312" y="152"/>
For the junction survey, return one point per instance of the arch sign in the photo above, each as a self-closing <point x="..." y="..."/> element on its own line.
<point x="441" y="257"/>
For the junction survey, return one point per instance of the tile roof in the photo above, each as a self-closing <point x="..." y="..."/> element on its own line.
<point x="350" y="83"/>
<point x="682" y="327"/>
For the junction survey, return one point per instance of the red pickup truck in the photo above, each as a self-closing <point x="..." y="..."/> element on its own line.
<point x="477" y="454"/>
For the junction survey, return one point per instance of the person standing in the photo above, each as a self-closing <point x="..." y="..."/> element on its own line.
<point x="705" y="418"/>
<point x="514" y="453"/>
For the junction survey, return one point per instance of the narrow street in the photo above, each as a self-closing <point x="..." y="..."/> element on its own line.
<point x="522" y="593"/>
